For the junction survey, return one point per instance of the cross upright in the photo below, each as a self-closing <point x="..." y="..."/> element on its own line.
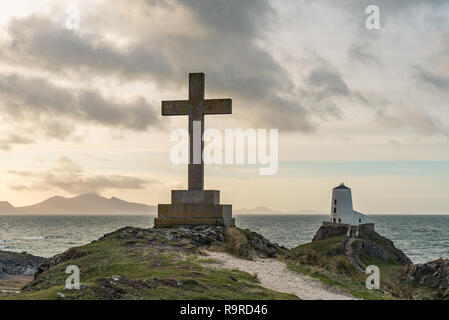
<point x="196" y="107"/>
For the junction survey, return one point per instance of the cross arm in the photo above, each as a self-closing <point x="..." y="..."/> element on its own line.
<point x="217" y="106"/>
<point x="175" y="108"/>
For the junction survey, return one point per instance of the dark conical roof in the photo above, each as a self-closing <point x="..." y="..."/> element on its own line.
<point x="342" y="186"/>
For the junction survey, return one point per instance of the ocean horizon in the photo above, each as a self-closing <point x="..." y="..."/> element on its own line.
<point x="422" y="237"/>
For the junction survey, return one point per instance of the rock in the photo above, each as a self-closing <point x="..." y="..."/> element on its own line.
<point x="374" y="245"/>
<point x="12" y="263"/>
<point x="330" y="230"/>
<point x="433" y="274"/>
<point x="117" y="286"/>
<point x="368" y="242"/>
<point x="372" y="249"/>
<point x="182" y="238"/>
<point x="249" y="245"/>
<point x="61" y="295"/>
<point x="196" y="236"/>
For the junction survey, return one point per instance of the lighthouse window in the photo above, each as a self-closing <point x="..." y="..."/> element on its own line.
<point x="335" y="210"/>
<point x="360" y="220"/>
<point x="339" y="220"/>
<point x="335" y="201"/>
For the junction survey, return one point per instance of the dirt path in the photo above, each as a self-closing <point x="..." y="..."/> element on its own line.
<point x="355" y="262"/>
<point x="13" y="283"/>
<point x="274" y="275"/>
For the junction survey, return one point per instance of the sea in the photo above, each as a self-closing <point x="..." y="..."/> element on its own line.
<point x="422" y="237"/>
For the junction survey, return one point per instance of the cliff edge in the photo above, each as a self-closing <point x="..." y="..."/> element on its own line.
<point x="136" y="263"/>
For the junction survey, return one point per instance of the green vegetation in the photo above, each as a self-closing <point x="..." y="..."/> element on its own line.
<point x="134" y="263"/>
<point x="248" y="245"/>
<point x="136" y="267"/>
<point x="326" y="260"/>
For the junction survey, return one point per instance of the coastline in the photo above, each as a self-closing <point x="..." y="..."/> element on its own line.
<point x="187" y="263"/>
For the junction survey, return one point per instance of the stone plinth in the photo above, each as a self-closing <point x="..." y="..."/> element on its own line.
<point x="192" y="208"/>
<point x="195" y="196"/>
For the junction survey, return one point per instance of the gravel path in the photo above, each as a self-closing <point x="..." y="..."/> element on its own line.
<point x="274" y="275"/>
<point x="354" y="260"/>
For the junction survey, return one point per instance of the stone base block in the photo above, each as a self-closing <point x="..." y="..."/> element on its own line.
<point x="195" y="196"/>
<point x="193" y="214"/>
<point x="194" y="210"/>
<point x="188" y="221"/>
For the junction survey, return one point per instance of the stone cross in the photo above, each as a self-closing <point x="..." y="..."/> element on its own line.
<point x="196" y="107"/>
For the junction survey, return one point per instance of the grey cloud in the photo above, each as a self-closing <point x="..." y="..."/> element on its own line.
<point x="20" y="173"/>
<point x="416" y="118"/>
<point x="7" y="142"/>
<point x="390" y="10"/>
<point x="76" y="184"/>
<point x="395" y="6"/>
<point x="329" y="82"/>
<point x="362" y="52"/>
<point x="137" y="115"/>
<point x="33" y="99"/>
<point x="231" y="17"/>
<point x="39" y="42"/>
<point x="325" y="89"/>
<point x="66" y="165"/>
<point x="437" y="81"/>
<point x="57" y="129"/>
<point x="327" y="111"/>
<point x="236" y="66"/>
<point x="69" y="177"/>
<point x="234" y="63"/>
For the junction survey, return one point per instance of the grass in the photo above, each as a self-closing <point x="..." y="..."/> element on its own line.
<point x="129" y="267"/>
<point x="326" y="260"/>
<point x="146" y="271"/>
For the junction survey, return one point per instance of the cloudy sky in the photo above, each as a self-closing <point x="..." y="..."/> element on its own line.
<point x="80" y="109"/>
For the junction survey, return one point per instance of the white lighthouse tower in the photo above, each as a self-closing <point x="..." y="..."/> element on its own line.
<point x="341" y="207"/>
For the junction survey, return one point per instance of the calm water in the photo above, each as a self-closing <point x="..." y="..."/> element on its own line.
<point x="422" y="238"/>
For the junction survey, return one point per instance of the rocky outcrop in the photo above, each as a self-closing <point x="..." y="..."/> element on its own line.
<point x="164" y="239"/>
<point x="12" y="263"/>
<point x="434" y="274"/>
<point x="243" y="243"/>
<point x="135" y="264"/>
<point x="196" y="236"/>
<point x="383" y="250"/>
<point x="372" y="244"/>
<point x="248" y="244"/>
<point x="330" y="230"/>
<point x="363" y="241"/>
<point x="372" y="249"/>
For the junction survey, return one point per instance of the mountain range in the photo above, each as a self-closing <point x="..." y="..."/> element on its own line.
<point x="95" y="204"/>
<point x="82" y="204"/>
<point x="266" y="210"/>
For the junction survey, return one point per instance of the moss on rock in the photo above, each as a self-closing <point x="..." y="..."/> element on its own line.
<point x="136" y="263"/>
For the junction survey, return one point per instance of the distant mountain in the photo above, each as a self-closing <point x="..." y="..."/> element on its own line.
<point x="5" y="205"/>
<point x="82" y="204"/>
<point x="258" y="210"/>
<point x="308" y="211"/>
<point x="266" y="210"/>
